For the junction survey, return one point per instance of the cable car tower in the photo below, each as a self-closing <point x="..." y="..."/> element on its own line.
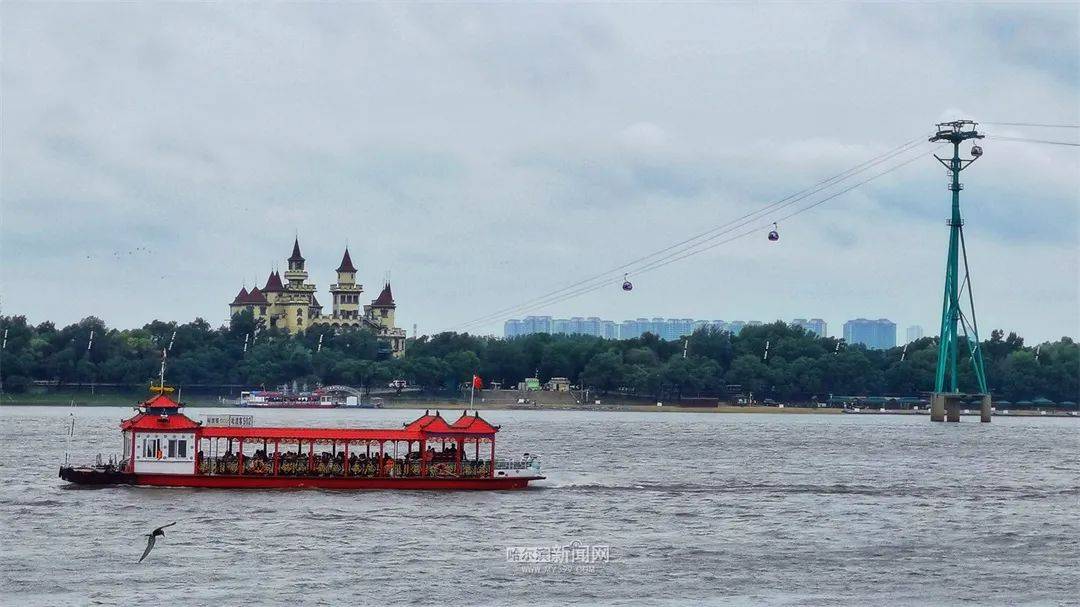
<point x="947" y="398"/>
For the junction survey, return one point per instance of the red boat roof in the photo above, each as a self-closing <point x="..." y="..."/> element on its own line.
<point x="337" y="434"/>
<point x="175" y="422"/>
<point x="429" y="423"/>
<point x="160" y="413"/>
<point x="466" y="424"/>
<point x="474" y="424"/>
<point x="160" y="401"/>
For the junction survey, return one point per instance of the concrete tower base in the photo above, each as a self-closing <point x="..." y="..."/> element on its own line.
<point x="946" y="406"/>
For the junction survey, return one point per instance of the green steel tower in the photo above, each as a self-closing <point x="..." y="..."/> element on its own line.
<point x="952" y="316"/>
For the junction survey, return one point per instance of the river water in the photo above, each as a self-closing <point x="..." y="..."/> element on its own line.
<point x="687" y="508"/>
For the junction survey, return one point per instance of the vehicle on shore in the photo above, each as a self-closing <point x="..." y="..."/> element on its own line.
<point x="164" y="447"/>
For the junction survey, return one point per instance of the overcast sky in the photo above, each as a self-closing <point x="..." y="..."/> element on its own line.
<point x="158" y="157"/>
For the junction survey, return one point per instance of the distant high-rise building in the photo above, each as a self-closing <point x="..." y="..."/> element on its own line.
<point x="536" y="324"/>
<point x="874" y="334"/>
<point x="674" y="328"/>
<point x="513" y="328"/>
<point x="669" y="329"/>
<point x="914" y="332"/>
<point x="814" y="325"/>
<point x="819" y="326"/>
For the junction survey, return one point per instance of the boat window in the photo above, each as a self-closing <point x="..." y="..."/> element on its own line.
<point x="181" y="448"/>
<point x="172" y="447"/>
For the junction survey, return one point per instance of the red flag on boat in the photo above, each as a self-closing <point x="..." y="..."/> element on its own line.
<point x="477" y="383"/>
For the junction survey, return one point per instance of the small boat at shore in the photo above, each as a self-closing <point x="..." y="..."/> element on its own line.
<point x="163" y="447"/>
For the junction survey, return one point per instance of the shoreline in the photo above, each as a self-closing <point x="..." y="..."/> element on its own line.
<point x="616" y="408"/>
<point x="445" y="405"/>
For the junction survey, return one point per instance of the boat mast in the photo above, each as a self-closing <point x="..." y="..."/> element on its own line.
<point x="161" y="381"/>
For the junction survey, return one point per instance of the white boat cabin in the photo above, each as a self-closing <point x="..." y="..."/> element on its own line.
<point x="160" y="439"/>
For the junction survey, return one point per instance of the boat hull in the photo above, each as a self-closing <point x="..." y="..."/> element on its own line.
<point x="94" y="477"/>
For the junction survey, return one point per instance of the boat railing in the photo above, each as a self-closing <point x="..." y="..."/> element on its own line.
<point x="516" y="464"/>
<point x="303" y="466"/>
<point x="507" y="464"/>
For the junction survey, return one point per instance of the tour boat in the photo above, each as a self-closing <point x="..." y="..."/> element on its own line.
<point x="268" y="399"/>
<point x="164" y="447"/>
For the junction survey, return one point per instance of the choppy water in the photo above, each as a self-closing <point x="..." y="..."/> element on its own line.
<point x="696" y="508"/>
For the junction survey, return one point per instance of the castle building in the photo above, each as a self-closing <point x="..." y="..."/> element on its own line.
<point x="292" y="304"/>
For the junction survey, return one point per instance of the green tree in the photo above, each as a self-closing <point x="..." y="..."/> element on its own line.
<point x="604" y="372"/>
<point x="749" y="372"/>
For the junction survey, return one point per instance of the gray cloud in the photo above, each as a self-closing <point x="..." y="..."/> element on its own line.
<point x="487" y="153"/>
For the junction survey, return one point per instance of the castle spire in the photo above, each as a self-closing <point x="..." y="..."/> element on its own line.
<point x="296" y="256"/>
<point x="346" y="263"/>
<point x="385" y="298"/>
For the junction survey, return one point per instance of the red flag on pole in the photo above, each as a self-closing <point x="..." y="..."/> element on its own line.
<point x="477" y="383"/>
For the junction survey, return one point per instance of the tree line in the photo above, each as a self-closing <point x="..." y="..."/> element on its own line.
<point x="800" y="366"/>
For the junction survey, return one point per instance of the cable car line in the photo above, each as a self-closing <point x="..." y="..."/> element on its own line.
<point x="1036" y="124"/>
<point x="606" y="276"/>
<point x="1026" y="140"/>
<point x="749" y="232"/>
<point x="688" y="251"/>
<point x="757" y="229"/>
<point x="583" y="286"/>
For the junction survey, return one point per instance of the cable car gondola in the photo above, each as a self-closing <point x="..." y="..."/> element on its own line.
<point x="976" y="151"/>
<point x="773" y="234"/>
<point x="627" y="285"/>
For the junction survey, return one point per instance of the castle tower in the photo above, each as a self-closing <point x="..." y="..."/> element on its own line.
<point x="382" y="308"/>
<point x="239" y="303"/>
<point x="346" y="293"/>
<point x="273" y="287"/>
<point x="296" y="275"/>
<point x="297" y="301"/>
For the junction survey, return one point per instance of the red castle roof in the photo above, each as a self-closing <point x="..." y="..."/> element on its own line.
<point x="346" y="263"/>
<point x="385" y="298"/>
<point x="256" y="297"/>
<point x="241" y="297"/>
<point x="273" y="284"/>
